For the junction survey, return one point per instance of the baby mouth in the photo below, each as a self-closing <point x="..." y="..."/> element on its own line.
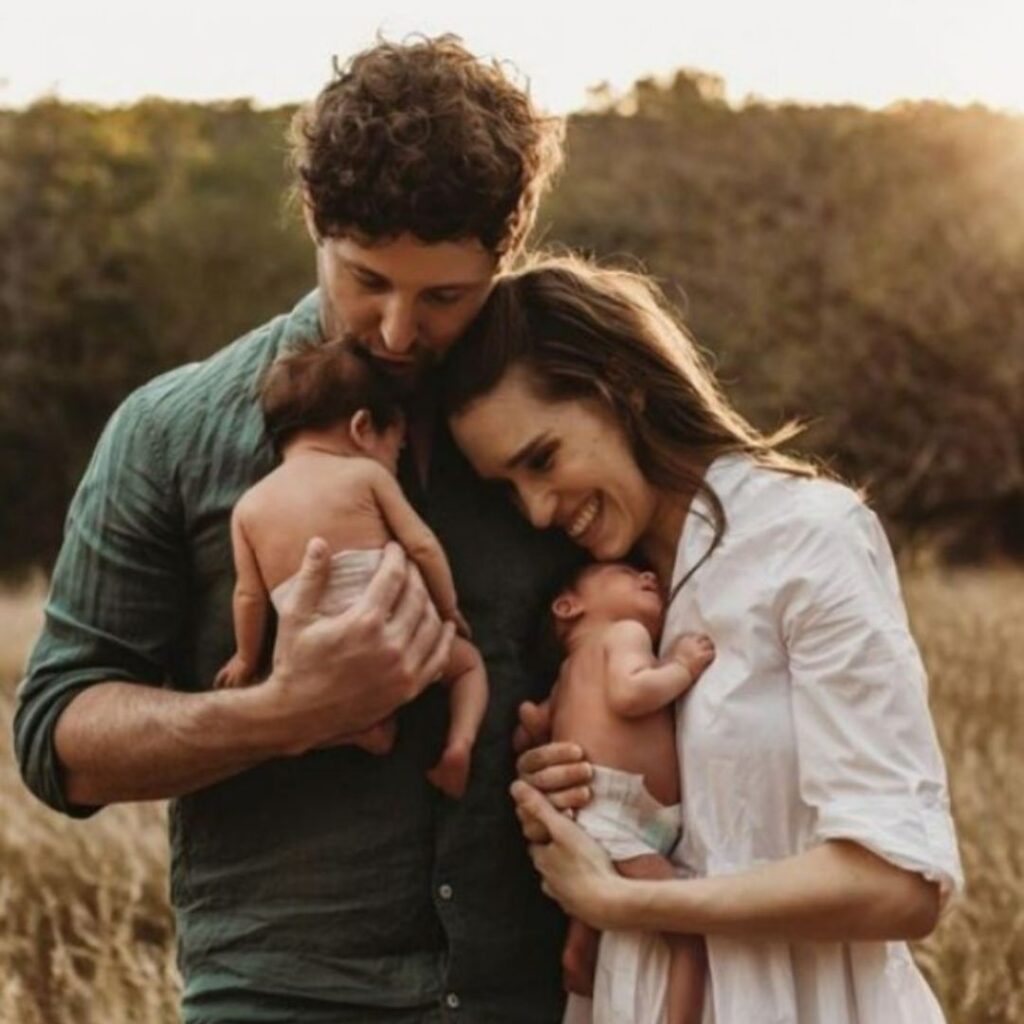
<point x="586" y="515"/>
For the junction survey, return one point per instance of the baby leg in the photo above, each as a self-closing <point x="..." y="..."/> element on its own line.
<point x="579" y="958"/>
<point x="688" y="960"/>
<point x="467" y="681"/>
<point x="378" y="739"/>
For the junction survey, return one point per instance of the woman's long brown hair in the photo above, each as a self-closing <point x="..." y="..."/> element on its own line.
<point x="581" y="331"/>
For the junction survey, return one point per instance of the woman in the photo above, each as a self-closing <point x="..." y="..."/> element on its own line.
<point x="816" y="820"/>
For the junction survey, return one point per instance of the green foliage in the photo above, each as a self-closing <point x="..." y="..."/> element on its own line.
<point x="862" y="270"/>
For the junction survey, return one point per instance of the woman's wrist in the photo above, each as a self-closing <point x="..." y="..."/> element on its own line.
<point x="623" y="903"/>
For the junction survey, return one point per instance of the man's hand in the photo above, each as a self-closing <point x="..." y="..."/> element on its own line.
<point x="335" y="675"/>
<point x="559" y="770"/>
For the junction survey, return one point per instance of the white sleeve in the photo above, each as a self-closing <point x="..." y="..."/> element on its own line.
<point x="869" y="760"/>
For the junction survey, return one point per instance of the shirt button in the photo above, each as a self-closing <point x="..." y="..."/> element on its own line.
<point x="445" y="891"/>
<point x="452" y="1001"/>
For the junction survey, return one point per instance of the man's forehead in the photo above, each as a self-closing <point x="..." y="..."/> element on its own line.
<point x="406" y="259"/>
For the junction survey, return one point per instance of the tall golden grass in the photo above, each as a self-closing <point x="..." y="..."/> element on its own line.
<point x="87" y="934"/>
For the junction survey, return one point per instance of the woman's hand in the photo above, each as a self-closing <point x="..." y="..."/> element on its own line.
<point x="576" y="872"/>
<point x="558" y="770"/>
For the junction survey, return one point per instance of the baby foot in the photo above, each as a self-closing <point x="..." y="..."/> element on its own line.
<point x="378" y="739"/>
<point x="695" y="651"/>
<point x="451" y="773"/>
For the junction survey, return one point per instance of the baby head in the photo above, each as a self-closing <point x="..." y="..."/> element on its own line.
<point x="605" y="592"/>
<point x="333" y="392"/>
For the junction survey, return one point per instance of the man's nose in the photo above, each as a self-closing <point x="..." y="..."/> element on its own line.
<point x="398" y="325"/>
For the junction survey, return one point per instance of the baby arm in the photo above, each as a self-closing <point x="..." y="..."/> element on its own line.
<point x="467" y="682"/>
<point x="249" y="607"/>
<point x="637" y="684"/>
<point x="420" y="544"/>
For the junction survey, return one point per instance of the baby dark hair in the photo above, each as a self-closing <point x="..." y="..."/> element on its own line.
<point x="548" y="639"/>
<point x="318" y="385"/>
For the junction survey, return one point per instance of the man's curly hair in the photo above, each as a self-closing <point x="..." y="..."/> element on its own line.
<point x="424" y="138"/>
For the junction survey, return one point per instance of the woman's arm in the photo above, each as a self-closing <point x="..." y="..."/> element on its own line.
<point x="838" y="891"/>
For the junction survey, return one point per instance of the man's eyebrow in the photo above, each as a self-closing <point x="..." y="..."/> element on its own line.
<point x="354" y="264"/>
<point x="525" y="452"/>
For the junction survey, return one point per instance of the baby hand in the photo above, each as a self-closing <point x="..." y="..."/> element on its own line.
<point x="694" y="651"/>
<point x="236" y="672"/>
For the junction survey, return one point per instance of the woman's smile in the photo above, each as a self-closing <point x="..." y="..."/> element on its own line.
<point x="569" y="462"/>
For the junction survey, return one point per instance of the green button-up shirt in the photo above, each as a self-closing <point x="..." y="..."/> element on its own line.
<point x="336" y="886"/>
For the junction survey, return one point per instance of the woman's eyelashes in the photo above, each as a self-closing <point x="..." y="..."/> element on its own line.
<point x="543" y="458"/>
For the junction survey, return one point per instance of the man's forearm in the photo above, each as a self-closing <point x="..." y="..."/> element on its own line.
<point x="123" y="741"/>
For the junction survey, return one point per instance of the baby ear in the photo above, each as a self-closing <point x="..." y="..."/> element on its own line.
<point x="361" y="429"/>
<point x="566" y="607"/>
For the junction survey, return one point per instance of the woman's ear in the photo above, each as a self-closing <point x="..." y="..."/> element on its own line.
<point x="361" y="429"/>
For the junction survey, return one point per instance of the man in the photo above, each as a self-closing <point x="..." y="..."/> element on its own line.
<point x="311" y="880"/>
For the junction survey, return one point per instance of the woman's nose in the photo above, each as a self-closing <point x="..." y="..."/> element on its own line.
<point x="537" y="505"/>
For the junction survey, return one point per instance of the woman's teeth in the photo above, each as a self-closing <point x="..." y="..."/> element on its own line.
<point x="584" y="517"/>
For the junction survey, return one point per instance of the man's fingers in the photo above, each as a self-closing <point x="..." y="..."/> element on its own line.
<point x="571" y="800"/>
<point x="434" y="665"/>
<point x="550" y="754"/>
<point x="535" y="720"/>
<point x="412" y="604"/>
<point x="388" y="583"/>
<point x="311" y="579"/>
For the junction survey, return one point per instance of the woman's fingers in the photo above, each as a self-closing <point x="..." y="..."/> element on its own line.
<point x="535" y="805"/>
<point x="533" y="830"/>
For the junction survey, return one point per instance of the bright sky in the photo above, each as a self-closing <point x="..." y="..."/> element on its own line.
<point x="866" y="51"/>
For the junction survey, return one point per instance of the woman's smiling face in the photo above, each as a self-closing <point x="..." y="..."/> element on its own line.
<point x="569" y="463"/>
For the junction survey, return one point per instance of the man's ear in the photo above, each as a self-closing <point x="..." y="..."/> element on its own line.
<point x="567" y="607"/>
<point x="361" y="429"/>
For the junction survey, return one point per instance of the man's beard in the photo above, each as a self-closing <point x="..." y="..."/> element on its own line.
<point x="406" y="375"/>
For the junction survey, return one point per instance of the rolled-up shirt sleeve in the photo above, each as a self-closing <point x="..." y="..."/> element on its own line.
<point x="869" y="760"/>
<point x="116" y="596"/>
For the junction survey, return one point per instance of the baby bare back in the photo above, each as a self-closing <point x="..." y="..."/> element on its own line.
<point x="581" y="713"/>
<point x="316" y="494"/>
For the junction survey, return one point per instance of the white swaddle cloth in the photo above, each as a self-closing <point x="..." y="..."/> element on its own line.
<point x="351" y="571"/>
<point x="631" y="979"/>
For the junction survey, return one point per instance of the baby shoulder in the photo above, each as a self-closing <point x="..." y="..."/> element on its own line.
<point x="626" y="635"/>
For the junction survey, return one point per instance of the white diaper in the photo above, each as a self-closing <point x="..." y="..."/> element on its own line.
<point x="631" y="977"/>
<point x="351" y="571"/>
<point x="625" y="819"/>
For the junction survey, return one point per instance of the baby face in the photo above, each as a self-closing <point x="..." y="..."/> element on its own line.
<point x="615" y="591"/>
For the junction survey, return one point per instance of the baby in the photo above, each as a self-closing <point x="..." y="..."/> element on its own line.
<point x="336" y="422"/>
<point x="615" y="699"/>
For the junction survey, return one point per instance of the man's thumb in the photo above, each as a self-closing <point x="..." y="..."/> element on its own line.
<point x="311" y="579"/>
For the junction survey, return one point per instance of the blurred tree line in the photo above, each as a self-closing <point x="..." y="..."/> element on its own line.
<point x="861" y="270"/>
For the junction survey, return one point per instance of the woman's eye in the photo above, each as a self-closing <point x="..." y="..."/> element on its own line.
<point x="542" y="460"/>
<point x="444" y="298"/>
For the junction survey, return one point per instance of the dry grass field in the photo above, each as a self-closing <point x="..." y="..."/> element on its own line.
<point x="87" y="936"/>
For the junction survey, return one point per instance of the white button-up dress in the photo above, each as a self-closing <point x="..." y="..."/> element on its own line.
<point x="811" y="724"/>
